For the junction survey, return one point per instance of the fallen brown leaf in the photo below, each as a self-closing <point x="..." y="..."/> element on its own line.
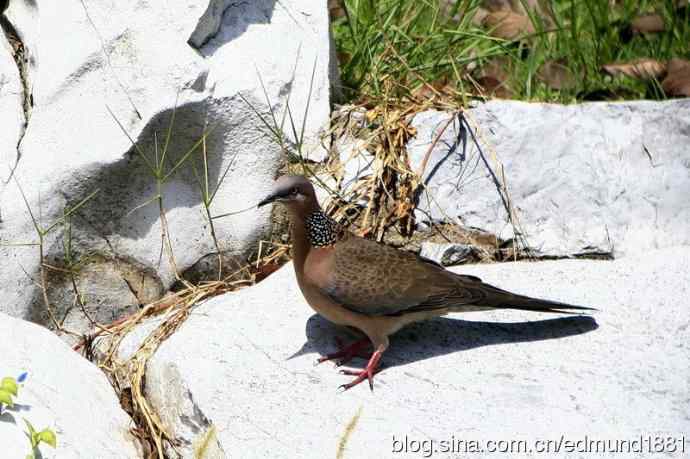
<point x="556" y="75"/>
<point x="641" y="69"/>
<point x="343" y="57"/>
<point x="336" y="9"/>
<point x="497" y="5"/>
<point x="437" y="89"/>
<point x="493" y="87"/>
<point x="647" y="23"/>
<point x="497" y="67"/>
<point x="493" y="77"/>
<point x="478" y="17"/>
<point x="508" y="25"/>
<point x="677" y="81"/>
<point x="541" y="8"/>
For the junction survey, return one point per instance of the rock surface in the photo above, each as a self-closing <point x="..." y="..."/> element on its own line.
<point x="594" y="178"/>
<point x="140" y="60"/>
<point x="63" y="392"/>
<point x="243" y="363"/>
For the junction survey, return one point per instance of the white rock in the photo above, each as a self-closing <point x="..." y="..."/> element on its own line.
<point x="63" y="392"/>
<point x="133" y="58"/>
<point x="588" y="178"/>
<point x="595" y="177"/>
<point x="243" y="363"/>
<point x="356" y="161"/>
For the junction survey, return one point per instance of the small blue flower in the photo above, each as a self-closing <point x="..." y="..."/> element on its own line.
<point x="22" y="377"/>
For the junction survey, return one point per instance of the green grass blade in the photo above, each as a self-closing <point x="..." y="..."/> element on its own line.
<point x="28" y="207"/>
<point x="72" y="210"/>
<point x="222" y="178"/>
<point x="145" y="203"/>
<point x="306" y="108"/>
<point x="168" y="135"/>
<point x="141" y="153"/>
<point x="186" y="156"/>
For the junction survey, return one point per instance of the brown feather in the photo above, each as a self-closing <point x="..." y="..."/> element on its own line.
<point x="377" y="280"/>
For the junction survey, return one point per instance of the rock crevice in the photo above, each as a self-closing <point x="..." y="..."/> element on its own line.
<point x="19" y="54"/>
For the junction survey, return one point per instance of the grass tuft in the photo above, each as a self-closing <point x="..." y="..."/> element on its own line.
<point x="407" y="48"/>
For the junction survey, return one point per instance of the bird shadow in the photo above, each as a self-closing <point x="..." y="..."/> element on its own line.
<point x="441" y="336"/>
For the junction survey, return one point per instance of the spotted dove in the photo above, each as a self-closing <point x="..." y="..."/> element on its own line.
<point x="375" y="288"/>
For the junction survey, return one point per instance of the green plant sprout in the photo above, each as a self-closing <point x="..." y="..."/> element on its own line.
<point x="42" y="232"/>
<point x="276" y="131"/>
<point x="9" y="388"/>
<point x="208" y="194"/>
<point x="72" y="263"/>
<point x="162" y="172"/>
<point x="46" y="436"/>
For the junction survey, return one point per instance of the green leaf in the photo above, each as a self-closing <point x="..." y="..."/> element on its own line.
<point x="48" y="436"/>
<point x="9" y="384"/>
<point x="33" y="435"/>
<point x="32" y="431"/>
<point x="6" y="398"/>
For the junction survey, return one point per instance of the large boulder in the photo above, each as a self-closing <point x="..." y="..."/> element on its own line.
<point x="593" y="178"/>
<point x="63" y="392"/>
<point x="144" y="61"/>
<point x="243" y="363"/>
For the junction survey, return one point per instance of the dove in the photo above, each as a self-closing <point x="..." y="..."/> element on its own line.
<point x="374" y="288"/>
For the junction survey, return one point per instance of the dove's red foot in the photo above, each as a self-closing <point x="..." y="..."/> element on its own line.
<point x="368" y="373"/>
<point x="347" y="353"/>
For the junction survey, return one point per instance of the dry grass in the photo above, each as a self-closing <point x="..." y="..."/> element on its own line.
<point x="127" y="377"/>
<point x="349" y="428"/>
<point x="389" y="192"/>
<point x="381" y="205"/>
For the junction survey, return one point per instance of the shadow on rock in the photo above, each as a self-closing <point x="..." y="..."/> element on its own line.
<point x="7" y="414"/>
<point x="442" y="336"/>
<point x="7" y="417"/>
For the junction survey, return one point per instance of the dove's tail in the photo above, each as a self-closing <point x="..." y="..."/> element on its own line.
<point x="506" y="300"/>
<point x="483" y="294"/>
<point x="472" y="294"/>
<point x="535" y="304"/>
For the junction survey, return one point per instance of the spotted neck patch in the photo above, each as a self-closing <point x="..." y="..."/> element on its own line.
<point x="322" y="230"/>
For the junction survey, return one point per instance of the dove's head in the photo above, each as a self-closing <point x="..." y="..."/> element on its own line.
<point x="296" y="192"/>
